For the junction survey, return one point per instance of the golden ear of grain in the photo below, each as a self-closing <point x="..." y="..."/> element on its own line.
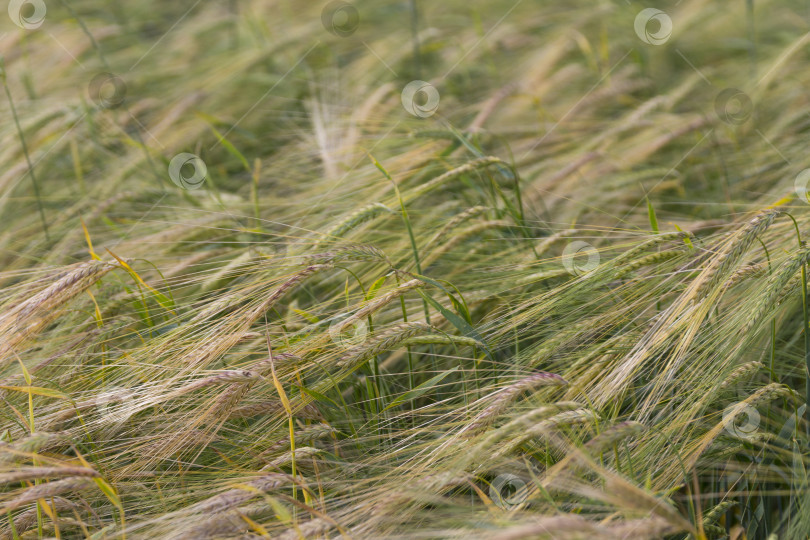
<point x="24" y="496"/>
<point x="27" y="318"/>
<point x="32" y="473"/>
<point x="384" y="340"/>
<point x="238" y="495"/>
<point x="430" y="185"/>
<point x="508" y="395"/>
<point x="354" y="219"/>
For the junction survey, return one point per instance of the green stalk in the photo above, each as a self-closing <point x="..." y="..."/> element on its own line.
<point x="407" y="221"/>
<point x="773" y="320"/>
<point x="25" y="148"/>
<point x="257" y="170"/>
<point x="417" y="60"/>
<point x="804" y="331"/>
<point x="806" y="350"/>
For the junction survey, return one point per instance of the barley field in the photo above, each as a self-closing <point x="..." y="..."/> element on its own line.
<point x="404" y="269"/>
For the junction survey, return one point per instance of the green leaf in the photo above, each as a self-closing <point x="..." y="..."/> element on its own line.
<point x="380" y="168"/>
<point x="461" y="306"/>
<point x="420" y="390"/>
<point x="686" y="239"/>
<point x="109" y="492"/>
<point x="317" y="396"/>
<point x="651" y="214"/>
<point x="36" y="390"/>
<point x="372" y="291"/>
<point x="225" y="142"/>
<point x="306" y="315"/>
<point x="463" y="326"/>
<point x="166" y="302"/>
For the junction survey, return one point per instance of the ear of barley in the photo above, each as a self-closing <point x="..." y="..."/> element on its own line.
<point x="455" y="222"/>
<point x="236" y="496"/>
<point x="223" y="377"/>
<point x="629" y="496"/>
<point x="746" y="272"/>
<point x="648" y="260"/>
<point x="304" y="436"/>
<point x="574" y="527"/>
<point x="219" y="525"/>
<point x="31" y="473"/>
<point x="382" y="341"/>
<point x="565" y="418"/>
<point x="717" y="512"/>
<point x="217" y="344"/>
<point x="563" y="527"/>
<point x="771" y="392"/>
<point x="474" y="165"/>
<point x="576" y="460"/>
<point x="502" y="440"/>
<point x="508" y="395"/>
<point x="741" y="372"/>
<point x="351" y="252"/>
<point x="645" y="529"/>
<point x="33" y="443"/>
<point x="545" y="244"/>
<point x="441" y="339"/>
<point x="733" y="248"/>
<point x="28" y="519"/>
<point x="287" y="458"/>
<point x="310" y="529"/>
<point x="46" y="491"/>
<point x="28" y="318"/>
<point x="529" y="419"/>
<point x="775" y="284"/>
<point x="378" y="303"/>
<point x="651" y="242"/>
<point x="614" y="434"/>
<point x="542" y="276"/>
<point x="461" y="236"/>
<point x="354" y="219"/>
